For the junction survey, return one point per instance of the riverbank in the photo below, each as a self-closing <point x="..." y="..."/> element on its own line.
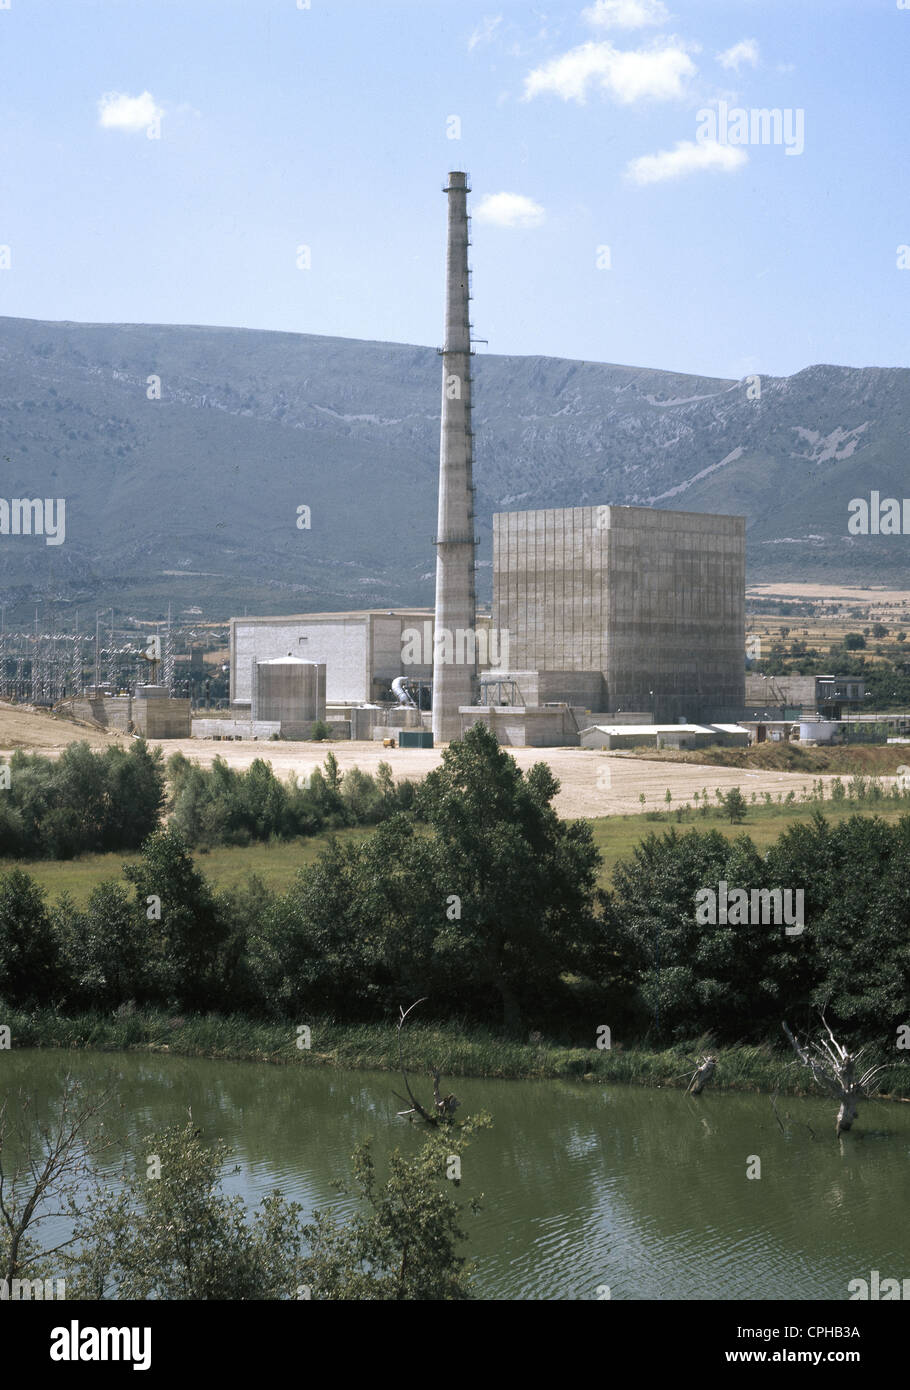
<point x="458" y="1051"/>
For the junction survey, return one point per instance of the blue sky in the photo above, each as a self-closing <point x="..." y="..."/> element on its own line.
<point x="328" y="127"/>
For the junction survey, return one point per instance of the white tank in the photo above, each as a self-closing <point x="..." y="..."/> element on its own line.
<point x="818" y="730"/>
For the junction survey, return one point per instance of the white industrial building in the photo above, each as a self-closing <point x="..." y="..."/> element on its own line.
<point x="361" y="651"/>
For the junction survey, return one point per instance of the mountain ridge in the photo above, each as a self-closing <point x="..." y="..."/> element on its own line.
<point x="252" y="425"/>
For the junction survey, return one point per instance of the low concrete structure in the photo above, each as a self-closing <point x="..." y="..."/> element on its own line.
<point x="149" y="712"/>
<point x="607" y="736"/>
<point x="731" y="735"/>
<point x="541" y="726"/>
<point x="584" y="689"/>
<point x="155" y="715"/>
<point x="234" y="728"/>
<point x="827" y="696"/>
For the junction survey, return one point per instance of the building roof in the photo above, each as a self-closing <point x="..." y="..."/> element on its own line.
<point x="651" y="728"/>
<point x="288" y="660"/>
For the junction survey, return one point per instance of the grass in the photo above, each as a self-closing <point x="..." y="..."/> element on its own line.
<point x="276" y="863"/>
<point x="456" y="1048"/>
<point x="617" y="836"/>
<point x="226" y="867"/>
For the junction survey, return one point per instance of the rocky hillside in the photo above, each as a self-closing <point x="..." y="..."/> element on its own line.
<point x="195" y="496"/>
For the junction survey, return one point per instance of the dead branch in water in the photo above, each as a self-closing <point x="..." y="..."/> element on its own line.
<point x="835" y="1070"/>
<point x="701" y="1076"/>
<point x="444" y="1106"/>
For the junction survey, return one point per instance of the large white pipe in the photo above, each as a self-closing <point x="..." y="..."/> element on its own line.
<point x="401" y="692"/>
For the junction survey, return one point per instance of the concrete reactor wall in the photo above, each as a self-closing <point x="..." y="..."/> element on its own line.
<point x="654" y="600"/>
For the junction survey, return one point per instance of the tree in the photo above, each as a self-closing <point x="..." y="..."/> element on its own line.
<point x="735" y="806"/>
<point x="82" y="801"/>
<point x="185" y="928"/>
<point x="136" y="794"/>
<point x="520" y="883"/>
<point x="108" y="948"/>
<point x="854" y="642"/>
<point x="405" y="1245"/>
<point x="835" y="1070"/>
<point x="687" y="973"/>
<point x="29" y="950"/>
<point x="170" y="1232"/>
<point x="38" y="1187"/>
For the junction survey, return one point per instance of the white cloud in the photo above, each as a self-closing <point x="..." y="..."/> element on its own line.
<point x="509" y="210"/>
<point x="484" y="31"/>
<point x="117" y="111"/>
<point x="628" y="75"/>
<point x="746" y="51"/>
<point x="626" y="14"/>
<point x="686" y="158"/>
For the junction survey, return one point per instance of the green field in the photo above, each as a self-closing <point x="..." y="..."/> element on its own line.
<point x="617" y="836"/>
<point x="277" y="863"/>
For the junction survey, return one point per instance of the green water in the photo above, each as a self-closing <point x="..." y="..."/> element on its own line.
<point x="643" y="1191"/>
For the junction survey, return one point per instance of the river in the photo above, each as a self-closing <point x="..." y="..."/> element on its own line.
<point x="586" y="1187"/>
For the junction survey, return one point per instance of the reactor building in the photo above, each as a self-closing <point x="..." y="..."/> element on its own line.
<point x="602" y="616"/>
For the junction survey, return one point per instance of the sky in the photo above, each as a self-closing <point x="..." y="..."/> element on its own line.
<point x="278" y="164"/>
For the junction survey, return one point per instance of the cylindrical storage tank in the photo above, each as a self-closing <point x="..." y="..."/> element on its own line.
<point x="290" y="690"/>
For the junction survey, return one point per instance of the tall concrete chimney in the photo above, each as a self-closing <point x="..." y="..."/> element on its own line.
<point x="454" y="657"/>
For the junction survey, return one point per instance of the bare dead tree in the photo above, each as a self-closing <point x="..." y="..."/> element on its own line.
<point x="835" y="1069"/>
<point x="702" y="1075"/>
<point x="51" y="1162"/>
<point x="444" y="1107"/>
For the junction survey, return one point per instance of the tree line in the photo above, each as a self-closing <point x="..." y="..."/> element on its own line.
<point x="480" y="897"/>
<point x="85" y="802"/>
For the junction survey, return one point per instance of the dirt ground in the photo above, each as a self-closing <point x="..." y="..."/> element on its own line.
<point x="39" y="731"/>
<point x="829" y="593"/>
<point x="592" y="783"/>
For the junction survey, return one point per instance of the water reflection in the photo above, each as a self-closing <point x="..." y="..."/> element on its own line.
<point x="645" y="1191"/>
